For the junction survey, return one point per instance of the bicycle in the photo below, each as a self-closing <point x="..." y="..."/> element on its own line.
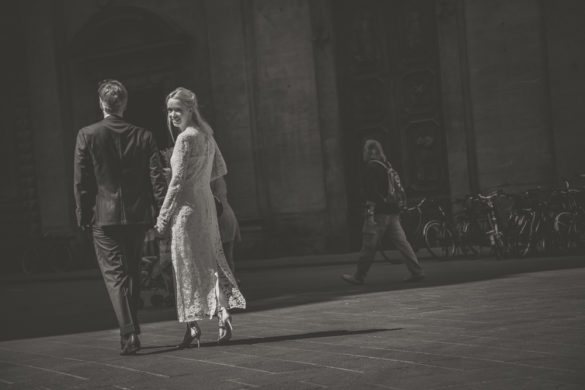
<point x="469" y="227"/>
<point x="483" y="227"/>
<point x="529" y="223"/>
<point x="569" y="225"/>
<point x="50" y="252"/>
<point x="439" y="238"/>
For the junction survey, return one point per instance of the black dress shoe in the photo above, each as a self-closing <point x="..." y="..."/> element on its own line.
<point x="131" y="345"/>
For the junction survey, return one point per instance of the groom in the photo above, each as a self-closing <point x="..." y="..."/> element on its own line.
<point x="118" y="183"/>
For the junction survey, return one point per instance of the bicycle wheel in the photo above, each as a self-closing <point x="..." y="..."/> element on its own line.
<point x="563" y="226"/>
<point x="521" y="237"/>
<point x="540" y="244"/>
<point x="498" y="246"/>
<point x="579" y="231"/>
<point x="439" y="240"/>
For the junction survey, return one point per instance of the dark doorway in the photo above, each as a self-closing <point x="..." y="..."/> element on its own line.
<point x="146" y="109"/>
<point x="141" y="50"/>
<point x="388" y="69"/>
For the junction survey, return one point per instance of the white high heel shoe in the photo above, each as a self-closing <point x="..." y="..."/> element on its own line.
<point x="225" y="326"/>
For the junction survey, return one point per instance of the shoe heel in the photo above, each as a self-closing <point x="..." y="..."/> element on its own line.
<point x="193" y="333"/>
<point x="225" y="328"/>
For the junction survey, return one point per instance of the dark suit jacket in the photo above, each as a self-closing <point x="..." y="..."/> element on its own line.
<point x="118" y="177"/>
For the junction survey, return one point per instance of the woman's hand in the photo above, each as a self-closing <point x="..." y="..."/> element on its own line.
<point x="160" y="229"/>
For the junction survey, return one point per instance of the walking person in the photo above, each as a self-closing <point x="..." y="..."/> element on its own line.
<point x="229" y="227"/>
<point x="205" y="284"/>
<point x="118" y="182"/>
<point x="384" y="195"/>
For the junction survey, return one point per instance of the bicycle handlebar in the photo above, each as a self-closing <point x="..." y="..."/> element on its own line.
<point x="417" y="207"/>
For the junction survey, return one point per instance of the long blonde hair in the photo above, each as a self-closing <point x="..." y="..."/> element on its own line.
<point x="189" y="100"/>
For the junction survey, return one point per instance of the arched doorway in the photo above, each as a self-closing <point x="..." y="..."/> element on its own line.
<point x="140" y="49"/>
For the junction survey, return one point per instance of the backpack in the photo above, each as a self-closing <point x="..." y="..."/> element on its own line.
<point x="395" y="194"/>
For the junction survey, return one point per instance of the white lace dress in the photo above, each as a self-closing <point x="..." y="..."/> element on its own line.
<point x="203" y="277"/>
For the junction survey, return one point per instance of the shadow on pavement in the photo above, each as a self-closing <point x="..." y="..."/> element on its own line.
<point x="65" y="307"/>
<point x="270" y="339"/>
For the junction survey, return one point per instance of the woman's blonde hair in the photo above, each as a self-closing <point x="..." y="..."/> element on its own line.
<point x="372" y="144"/>
<point x="189" y="100"/>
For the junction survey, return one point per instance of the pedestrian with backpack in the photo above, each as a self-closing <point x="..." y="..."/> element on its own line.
<point x="384" y="197"/>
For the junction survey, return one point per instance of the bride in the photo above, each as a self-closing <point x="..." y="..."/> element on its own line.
<point x="205" y="284"/>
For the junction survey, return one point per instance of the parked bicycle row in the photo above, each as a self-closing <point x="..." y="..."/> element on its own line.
<point x="500" y="224"/>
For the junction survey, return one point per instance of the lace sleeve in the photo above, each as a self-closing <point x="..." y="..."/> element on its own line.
<point x="179" y="162"/>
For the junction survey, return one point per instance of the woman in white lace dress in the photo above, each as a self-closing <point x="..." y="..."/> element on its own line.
<point x="205" y="284"/>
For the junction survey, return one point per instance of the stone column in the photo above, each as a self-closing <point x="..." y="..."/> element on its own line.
<point x="509" y="93"/>
<point x="46" y="120"/>
<point x="233" y="105"/>
<point x="329" y="123"/>
<point x="457" y="115"/>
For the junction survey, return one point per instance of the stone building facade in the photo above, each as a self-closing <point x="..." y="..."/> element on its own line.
<point x="466" y="95"/>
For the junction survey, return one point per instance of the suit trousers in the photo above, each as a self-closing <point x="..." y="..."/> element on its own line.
<point x="118" y="250"/>
<point x="372" y="233"/>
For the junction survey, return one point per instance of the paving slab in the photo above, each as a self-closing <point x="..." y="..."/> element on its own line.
<point x="472" y="324"/>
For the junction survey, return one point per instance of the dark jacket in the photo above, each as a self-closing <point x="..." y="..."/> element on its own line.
<point x="375" y="182"/>
<point x="118" y="177"/>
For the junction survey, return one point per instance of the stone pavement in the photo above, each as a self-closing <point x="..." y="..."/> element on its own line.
<point x="474" y="324"/>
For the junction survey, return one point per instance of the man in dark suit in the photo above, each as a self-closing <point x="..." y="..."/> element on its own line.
<point x="119" y="188"/>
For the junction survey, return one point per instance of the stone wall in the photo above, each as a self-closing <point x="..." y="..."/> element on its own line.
<point x="255" y="69"/>
<point x="512" y="91"/>
<point x="508" y="93"/>
<point x="565" y="38"/>
<point x="51" y="156"/>
<point x="276" y="121"/>
<point x="455" y="94"/>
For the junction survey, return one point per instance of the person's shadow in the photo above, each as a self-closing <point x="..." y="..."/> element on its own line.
<point x="158" y="349"/>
